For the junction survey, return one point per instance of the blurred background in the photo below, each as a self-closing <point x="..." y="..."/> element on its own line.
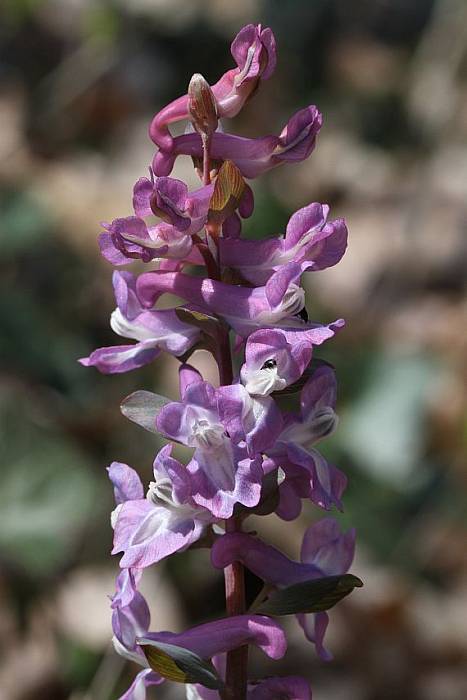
<point x="79" y="81"/>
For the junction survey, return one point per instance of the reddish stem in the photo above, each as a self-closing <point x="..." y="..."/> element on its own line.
<point x="206" y="142"/>
<point x="237" y="660"/>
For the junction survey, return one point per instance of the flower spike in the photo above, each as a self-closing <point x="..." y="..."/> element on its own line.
<point x="250" y="440"/>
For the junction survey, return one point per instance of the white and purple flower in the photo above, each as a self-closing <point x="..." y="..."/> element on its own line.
<point x="243" y="302"/>
<point x="166" y="521"/>
<point x="154" y="330"/>
<point x="222" y="471"/>
<point x="254" y="50"/>
<point x="307" y="473"/>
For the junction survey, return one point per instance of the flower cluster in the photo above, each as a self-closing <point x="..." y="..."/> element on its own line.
<point x="241" y="300"/>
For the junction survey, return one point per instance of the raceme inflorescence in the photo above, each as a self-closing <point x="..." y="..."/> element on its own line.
<point x="242" y="301"/>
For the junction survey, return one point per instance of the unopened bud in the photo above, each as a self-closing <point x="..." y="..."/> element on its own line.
<point x="202" y="106"/>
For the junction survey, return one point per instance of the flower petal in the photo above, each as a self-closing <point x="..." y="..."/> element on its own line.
<point x="126" y="482"/>
<point x="227" y="634"/>
<point x="265" y="561"/>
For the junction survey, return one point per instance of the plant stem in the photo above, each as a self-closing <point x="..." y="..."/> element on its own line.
<point x="206" y="142"/>
<point x="237" y="660"/>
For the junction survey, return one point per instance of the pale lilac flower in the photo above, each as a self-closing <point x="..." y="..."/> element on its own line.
<point x="317" y="418"/>
<point x="256" y="420"/>
<point x="170" y="199"/>
<point x="130" y="620"/>
<point x="153" y="330"/>
<point x="254" y="51"/>
<point x="168" y="520"/>
<point x="272" y="363"/>
<point x="126" y="482"/>
<point x="243" y="308"/>
<point x="247" y="455"/>
<point x="253" y="157"/>
<point x="309" y="238"/>
<point x="129" y="238"/>
<point x="325" y="551"/>
<point x="333" y="552"/>
<point x="220" y="636"/>
<point x="222" y="472"/>
<point x="207" y="641"/>
<point x="131" y="624"/>
<point x="184" y="213"/>
<point x="307" y="472"/>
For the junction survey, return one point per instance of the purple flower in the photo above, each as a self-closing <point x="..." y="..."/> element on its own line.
<point x="170" y="199"/>
<point x="168" y="520"/>
<point x="126" y="482"/>
<point x="325" y="552"/>
<point x="254" y="419"/>
<point x="130" y="616"/>
<point x="333" y="552"/>
<point x="308" y="239"/>
<point x="154" y="330"/>
<point x="265" y="561"/>
<point x="221" y="636"/>
<point x="221" y="470"/>
<point x="317" y="418"/>
<point x="254" y="51"/>
<point x="307" y="473"/>
<point x="253" y="157"/>
<point x="130" y="620"/>
<point x="272" y="363"/>
<point x="243" y="308"/>
<point x="184" y="214"/>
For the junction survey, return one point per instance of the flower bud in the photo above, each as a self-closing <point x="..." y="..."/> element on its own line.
<point x="202" y="106"/>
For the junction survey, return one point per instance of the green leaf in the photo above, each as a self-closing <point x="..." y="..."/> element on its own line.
<point x="310" y="596"/>
<point x="178" y="664"/>
<point x="142" y="407"/>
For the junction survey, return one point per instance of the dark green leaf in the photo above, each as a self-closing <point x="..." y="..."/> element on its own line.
<point x="142" y="407"/>
<point x="310" y="596"/>
<point x="179" y="664"/>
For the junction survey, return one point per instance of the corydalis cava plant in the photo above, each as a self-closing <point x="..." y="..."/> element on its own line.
<point x="248" y="455"/>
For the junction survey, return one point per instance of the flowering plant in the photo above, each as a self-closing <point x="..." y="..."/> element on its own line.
<point x="249" y="456"/>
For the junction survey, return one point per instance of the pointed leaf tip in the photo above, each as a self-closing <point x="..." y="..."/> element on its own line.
<point x="142" y="408"/>
<point x="312" y="596"/>
<point x="179" y="664"/>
